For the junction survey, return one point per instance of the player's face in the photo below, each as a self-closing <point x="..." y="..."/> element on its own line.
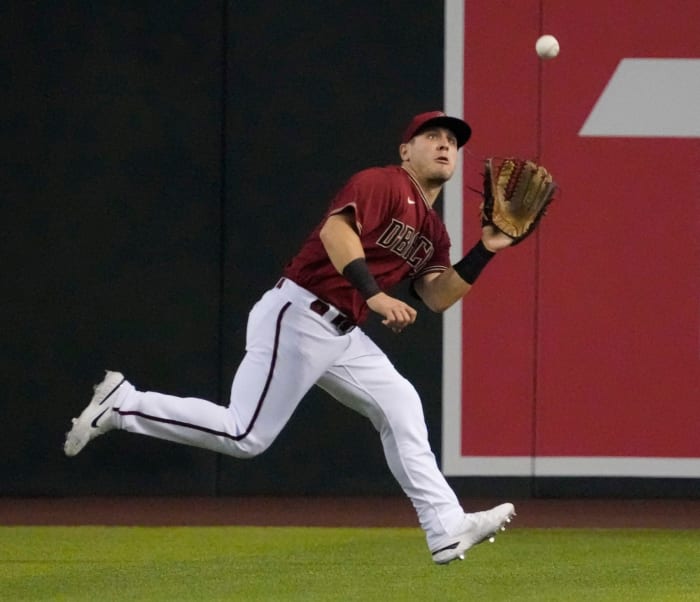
<point x="432" y="154"/>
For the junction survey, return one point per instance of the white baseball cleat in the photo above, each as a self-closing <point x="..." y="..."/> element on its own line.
<point x="478" y="527"/>
<point x="96" y="418"/>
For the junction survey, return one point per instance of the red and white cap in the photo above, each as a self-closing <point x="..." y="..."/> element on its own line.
<point x="458" y="127"/>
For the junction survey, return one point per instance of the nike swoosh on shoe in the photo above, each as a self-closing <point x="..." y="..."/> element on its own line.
<point x="95" y="420"/>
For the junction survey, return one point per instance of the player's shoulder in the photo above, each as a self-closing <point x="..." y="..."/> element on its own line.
<point x="386" y="175"/>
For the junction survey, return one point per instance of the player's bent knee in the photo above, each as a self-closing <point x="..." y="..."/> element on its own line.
<point x="249" y="447"/>
<point x="407" y="411"/>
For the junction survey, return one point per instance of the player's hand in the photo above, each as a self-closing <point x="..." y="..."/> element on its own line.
<point x="397" y="314"/>
<point x="495" y="240"/>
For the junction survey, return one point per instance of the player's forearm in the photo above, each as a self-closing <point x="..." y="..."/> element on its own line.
<point x="443" y="291"/>
<point x="341" y="242"/>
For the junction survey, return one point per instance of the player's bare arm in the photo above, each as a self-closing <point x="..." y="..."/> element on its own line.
<point x="342" y="243"/>
<point x="340" y="239"/>
<point x="439" y="291"/>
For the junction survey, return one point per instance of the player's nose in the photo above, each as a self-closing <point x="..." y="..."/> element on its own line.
<point x="443" y="141"/>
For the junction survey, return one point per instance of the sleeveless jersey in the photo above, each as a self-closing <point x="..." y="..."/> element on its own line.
<point x="402" y="236"/>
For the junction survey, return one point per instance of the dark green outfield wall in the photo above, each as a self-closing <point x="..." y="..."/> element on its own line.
<point x="163" y="160"/>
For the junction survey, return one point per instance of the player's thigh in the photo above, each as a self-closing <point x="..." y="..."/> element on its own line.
<point x="286" y="351"/>
<point x="371" y="385"/>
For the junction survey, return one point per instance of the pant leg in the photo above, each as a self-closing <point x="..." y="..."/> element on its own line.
<point x="365" y="380"/>
<point x="288" y="348"/>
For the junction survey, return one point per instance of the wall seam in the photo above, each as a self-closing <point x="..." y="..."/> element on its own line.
<point x="223" y="182"/>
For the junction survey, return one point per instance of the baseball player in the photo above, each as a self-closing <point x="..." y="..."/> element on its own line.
<point x="380" y="229"/>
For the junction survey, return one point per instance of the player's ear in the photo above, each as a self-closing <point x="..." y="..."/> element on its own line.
<point x="403" y="151"/>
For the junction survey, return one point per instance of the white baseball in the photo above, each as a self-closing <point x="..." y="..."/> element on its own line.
<point x="547" y="47"/>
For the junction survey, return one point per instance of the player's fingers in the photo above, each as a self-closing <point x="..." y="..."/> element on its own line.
<point x="407" y="315"/>
<point x="394" y="328"/>
<point x="400" y="317"/>
<point x="397" y="317"/>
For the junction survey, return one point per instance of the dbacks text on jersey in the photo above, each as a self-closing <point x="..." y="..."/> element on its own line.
<point x="408" y="243"/>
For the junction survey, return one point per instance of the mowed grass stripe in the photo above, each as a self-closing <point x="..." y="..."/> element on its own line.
<point x="278" y="564"/>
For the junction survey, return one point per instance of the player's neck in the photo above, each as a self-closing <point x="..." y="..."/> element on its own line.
<point x="430" y="188"/>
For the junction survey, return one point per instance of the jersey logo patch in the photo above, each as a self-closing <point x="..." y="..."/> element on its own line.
<point x="408" y="243"/>
<point x="410" y="201"/>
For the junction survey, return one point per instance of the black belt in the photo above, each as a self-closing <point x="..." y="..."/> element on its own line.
<point x="341" y="322"/>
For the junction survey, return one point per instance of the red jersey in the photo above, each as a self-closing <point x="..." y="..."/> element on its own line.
<point x="401" y="234"/>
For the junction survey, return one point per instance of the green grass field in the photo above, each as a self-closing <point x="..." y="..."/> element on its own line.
<point x="306" y="564"/>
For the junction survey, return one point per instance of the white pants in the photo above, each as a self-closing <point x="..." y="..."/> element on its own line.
<point x="289" y="349"/>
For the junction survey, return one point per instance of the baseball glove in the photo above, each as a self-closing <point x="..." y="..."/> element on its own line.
<point x="516" y="195"/>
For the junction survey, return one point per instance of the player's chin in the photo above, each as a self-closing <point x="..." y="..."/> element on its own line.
<point x="440" y="176"/>
<point x="443" y="171"/>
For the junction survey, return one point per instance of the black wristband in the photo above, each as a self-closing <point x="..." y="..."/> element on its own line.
<point x="358" y="274"/>
<point x="470" y="266"/>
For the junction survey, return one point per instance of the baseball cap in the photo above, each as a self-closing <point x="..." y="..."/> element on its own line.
<point x="457" y="126"/>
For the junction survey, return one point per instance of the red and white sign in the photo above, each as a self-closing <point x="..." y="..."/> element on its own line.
<point x="578" y="352"/>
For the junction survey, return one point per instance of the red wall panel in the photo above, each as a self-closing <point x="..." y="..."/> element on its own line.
<point x="583" y="341"/>
<point x="618" y="294"/>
